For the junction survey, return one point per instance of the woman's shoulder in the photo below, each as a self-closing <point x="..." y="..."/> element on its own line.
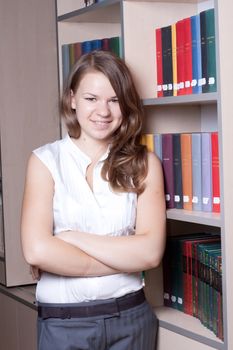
<point x="51" y="148"/>
<point x="49" y="154"/>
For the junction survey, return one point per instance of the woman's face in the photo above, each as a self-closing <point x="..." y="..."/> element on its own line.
<point x="97" y="107"/>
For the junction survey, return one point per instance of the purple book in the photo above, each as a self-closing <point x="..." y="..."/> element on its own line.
<point x="206" y="171"/>
<point x="167" y="162"/>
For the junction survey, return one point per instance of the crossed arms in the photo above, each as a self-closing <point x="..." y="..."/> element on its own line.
<point x="74" y="253"/>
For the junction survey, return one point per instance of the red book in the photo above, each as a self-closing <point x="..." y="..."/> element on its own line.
<point x="77" y="50"/>
<point x="188" y="278"/>
<point x="159" y="62"/>
<point x="105" y="44"/>
<point x="185" y="277"/>
<point x="180" y="56"/>
<point x="187" y="56"/>
<point x="215" y="172"/>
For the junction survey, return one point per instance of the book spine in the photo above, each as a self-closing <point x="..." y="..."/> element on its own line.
<point x="167" y="163"/>
<point x="167" y="276"/>
<point x="167" y="61"/>
<point x="77" y="50"/>
<point x="187" y="55"/>
<point x="115" y="45"/>
<point x="215" y="172"/>
<point x="150" y="142"/>
<point x="186" y="163"/>
<point x="86" y="46"/>
<point x="178" y="192"/>
<point x="203" y="51"/>
<point x="180" y="56"/>
<point x="105" y="44"/>
<point x="196" y="171"/>
<point x="96" y="44"/>
<point x="65" y="61"/>
<point x="158" y="145"/>
<point x="174" y="60"/>
<point x="71" y="55"/>
<point x="196" y="54"/>
<point x="159" y="63"/>
<point x="210" y="51"/>
<point x="206" y="170"/>
<point x="185" y="277"/>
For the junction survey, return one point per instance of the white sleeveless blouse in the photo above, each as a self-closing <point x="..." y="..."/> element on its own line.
<point x="77" y="207"/>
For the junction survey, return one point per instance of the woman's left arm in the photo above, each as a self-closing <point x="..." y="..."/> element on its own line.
<point x="141" y="251"/>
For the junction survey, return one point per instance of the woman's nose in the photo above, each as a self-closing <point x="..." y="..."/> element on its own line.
<point x="103" y="109"/>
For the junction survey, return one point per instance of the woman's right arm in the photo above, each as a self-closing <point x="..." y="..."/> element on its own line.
<point x="40" y="247"/>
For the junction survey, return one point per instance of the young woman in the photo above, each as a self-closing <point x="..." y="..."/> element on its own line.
<point x="93" y="216"/>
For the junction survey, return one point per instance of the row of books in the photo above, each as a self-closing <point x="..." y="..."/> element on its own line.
<point x="192" y="270"/>
<point x="190" y="164"/>
<point x="73" y="51"/>
<point x="186" y="56"/>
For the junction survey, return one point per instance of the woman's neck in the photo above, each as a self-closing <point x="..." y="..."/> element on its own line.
<point x="94" y="150"/>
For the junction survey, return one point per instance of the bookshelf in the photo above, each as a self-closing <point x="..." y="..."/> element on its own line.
<point x="28" y="118"/>
<point x="135" y="22"/>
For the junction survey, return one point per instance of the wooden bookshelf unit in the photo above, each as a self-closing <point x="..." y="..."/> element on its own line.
<point x="135" y="22"/>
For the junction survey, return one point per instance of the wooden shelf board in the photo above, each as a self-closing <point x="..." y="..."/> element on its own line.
<point x="24" y="294"/>
<point x="208" y="98"/>
<point x="187" y="326"/>
<point x="102" y="12"/>
<point x="198" y="217"/>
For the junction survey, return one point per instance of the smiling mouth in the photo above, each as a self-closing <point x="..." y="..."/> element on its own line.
<point x="101" y="122"/>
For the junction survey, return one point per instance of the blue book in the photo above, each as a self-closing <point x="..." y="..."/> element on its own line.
<point x="65" y="61"/>
<point x="196" y="54"/>
<point x="96" y="44"/>
<point x="158" y="145"/>
<point x="86" y="46"/>
<point x="167" y="164"/>
<point x="206" y="170"/>
<point x="196" y="171"/>
<point x="177" y="168"/>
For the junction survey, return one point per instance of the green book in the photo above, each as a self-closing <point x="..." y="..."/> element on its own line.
<point x="208" y="309"/>
<point x="115" y="45"/>
<point x="211" y="51"/>
<point x="208" y="50"/>
<point x="203" y="280"/>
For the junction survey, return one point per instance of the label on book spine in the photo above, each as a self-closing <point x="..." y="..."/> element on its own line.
<point x="216" y="200"/>
<point x="177" y="198"/>
<point x="195" y="199"/>
<point x="194" y="82"/>
<point x="205" y="200"/>
<point x="180" y="300"/>
<point x="211" y="81"/>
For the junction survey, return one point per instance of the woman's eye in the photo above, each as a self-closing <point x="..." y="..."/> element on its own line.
<point x="114" y="100"/>
<point x="90" y="98"/>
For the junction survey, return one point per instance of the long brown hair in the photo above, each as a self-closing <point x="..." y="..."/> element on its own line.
<point x="126" y="165"/>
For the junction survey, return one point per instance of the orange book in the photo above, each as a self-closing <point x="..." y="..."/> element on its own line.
<point x="148" y="141"/>
<point x="186" y="166"/>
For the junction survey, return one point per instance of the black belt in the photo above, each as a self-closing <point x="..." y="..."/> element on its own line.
<point x="113" y="306"/>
